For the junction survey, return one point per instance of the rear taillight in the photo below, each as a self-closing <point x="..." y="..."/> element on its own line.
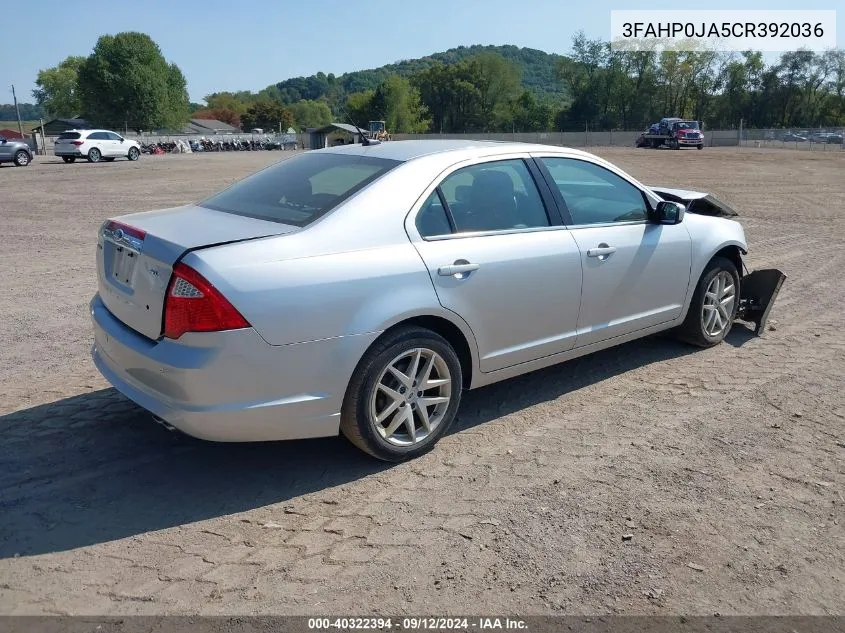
<point x="127" y="230"/>
<point x="78" y="143"/>
<point x="192" y="304"/>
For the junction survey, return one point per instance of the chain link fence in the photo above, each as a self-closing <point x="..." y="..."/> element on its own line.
<point x="816" y="140"/>
<point x="825" y="140"/>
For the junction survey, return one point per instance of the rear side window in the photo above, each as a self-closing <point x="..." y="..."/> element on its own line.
<point x="299" y="190"/>
<point x="98" y="136"/>
<point x="494" y="196"/>
<point x="70" y="136"/>
<point x="432" y="219"/>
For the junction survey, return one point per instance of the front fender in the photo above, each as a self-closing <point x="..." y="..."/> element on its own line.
<point x="708" y="236"/>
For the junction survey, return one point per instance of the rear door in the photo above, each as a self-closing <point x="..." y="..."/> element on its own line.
<point x="499" y="257"/>
<point x="636" y="273"/>
<point x="97" y="140"/>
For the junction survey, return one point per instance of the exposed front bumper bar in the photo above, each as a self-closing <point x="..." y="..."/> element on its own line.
<point x="758" y="292"/>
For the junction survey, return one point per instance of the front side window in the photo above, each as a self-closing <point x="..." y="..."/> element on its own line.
<point x="299" y="190"/>
<point x="593" y="194"/>
<point x="494" y="196"/>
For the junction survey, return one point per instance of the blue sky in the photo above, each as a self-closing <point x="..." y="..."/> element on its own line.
<point x="249" y="44"/>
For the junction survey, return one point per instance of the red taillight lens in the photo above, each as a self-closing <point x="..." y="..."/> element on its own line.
<point x="192" y="304"/>
<point x="78" y="143"/>
<point x="128" y="230"/>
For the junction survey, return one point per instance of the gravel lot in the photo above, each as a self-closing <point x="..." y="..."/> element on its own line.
<point x="726" y="465"/>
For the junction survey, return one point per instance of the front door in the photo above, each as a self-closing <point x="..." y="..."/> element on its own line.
<point x="496" y="260"/>
<point x="636" y="273"/>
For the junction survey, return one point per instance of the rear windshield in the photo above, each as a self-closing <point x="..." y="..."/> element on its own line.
<point x="69" y="135"/>
<point x="299" y="190"/>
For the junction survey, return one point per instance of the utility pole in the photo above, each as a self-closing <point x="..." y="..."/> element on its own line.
<point x="17" y="110"/>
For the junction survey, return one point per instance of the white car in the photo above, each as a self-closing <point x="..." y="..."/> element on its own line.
<point x="95" y="145"/>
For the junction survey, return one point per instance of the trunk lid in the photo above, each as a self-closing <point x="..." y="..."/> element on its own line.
<point x="134" y="267"/>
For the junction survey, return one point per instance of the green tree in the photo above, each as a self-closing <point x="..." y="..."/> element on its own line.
<point x="308" y="113"/>
<point x="227" y="101"/>
<point x="398" y="104"/>
<point x="218" y="114"/>
<point x="267" y="115"/>
<point x="127" y="79"/>
<point x="57" y="89"/>
<point x="361" y="108"/>
<point x="499" y="85"/>
<point x="529" y="115"/>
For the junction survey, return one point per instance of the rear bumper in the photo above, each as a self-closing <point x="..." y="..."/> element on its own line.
<point x="229" y="386"/>
<point x="68" y="152"/>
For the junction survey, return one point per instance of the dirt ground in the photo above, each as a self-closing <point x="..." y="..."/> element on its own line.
<point x="726" y="465"/>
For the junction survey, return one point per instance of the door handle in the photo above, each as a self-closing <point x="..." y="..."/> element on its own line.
<point x="602" y="251"/>
<point x="457" y="269"/>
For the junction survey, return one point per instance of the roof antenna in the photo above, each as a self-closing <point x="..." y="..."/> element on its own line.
<point x="364" y="140"/>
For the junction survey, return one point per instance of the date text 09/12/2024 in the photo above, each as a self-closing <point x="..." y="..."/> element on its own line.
<point x="416" y="623"/>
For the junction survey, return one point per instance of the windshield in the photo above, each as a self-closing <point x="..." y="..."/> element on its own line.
<point x="687" y="125"/>
<point x="299" y="190"/>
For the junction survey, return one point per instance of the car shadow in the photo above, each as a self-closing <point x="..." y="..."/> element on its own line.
<point x="94" y="468"/>
<point x="740" y="334"/>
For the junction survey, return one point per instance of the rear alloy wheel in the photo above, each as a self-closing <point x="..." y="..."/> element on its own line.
<point x="94" y="155"/>
<point x="21" y="159"/>
<point x="403" y="396"/>
<point x="133" y="153"/>
<point x="69" y="159"/>
<point x="714" y="304"/>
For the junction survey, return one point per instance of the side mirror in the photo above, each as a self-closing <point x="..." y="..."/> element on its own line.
<point x="668" y="213"/>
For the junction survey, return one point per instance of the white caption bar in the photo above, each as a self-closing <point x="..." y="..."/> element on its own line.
<point x="762" y="30"/>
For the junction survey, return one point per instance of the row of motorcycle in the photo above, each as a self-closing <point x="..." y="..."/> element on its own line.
<point x="208" y="145"/>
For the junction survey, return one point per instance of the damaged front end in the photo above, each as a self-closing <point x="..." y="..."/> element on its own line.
<point x="697" y="202"/>
<point x="758" y="291"/>
<point x="759" y="288"/>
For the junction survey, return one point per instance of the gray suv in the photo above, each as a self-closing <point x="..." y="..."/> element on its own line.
<point x="17" y="152"/>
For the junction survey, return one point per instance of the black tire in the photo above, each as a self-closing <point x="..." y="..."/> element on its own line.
<point x="69" y="159"/>
<point x="133" y="154"/>
<point x="22" y="159"/>
<point x="355" y="418"/>
<point x="692" y="329"/>
<point x="94" y="155"/>
<point x="701" y="147"/>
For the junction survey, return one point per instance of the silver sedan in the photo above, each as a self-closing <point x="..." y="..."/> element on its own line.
<point x="361" y="289"/>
